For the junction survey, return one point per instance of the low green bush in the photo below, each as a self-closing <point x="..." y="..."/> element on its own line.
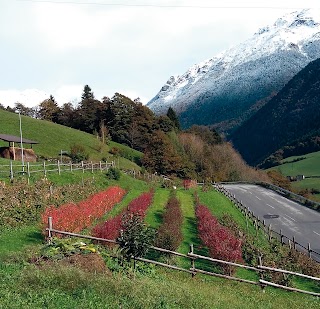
<point x="113" y="173"/>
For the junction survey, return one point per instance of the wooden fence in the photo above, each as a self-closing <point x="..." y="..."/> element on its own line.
<point x="192" y="257"/>
<point x="14" y="170"/>
<point x="149" y="176"/>
<point x="258" y="224"/>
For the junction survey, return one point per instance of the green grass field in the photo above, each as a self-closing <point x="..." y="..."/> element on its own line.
<point x="53" y="138"/>
<point x="310" y="166"/>
<point x="25" y="285"/>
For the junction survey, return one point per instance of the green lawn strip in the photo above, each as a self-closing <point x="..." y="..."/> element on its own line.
<point x="15" y="240"/>
<point x="190" y="232"/>
<point x="189" y="227"/>
<point x="118" y="209"/>
<point x="68" y="287"/>
<point x="155" y="211"/>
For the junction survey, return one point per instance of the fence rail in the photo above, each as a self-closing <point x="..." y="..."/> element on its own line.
<point x="260" y="269"/>
<point x="14" y="170"/>
<point x="258" y="224"/>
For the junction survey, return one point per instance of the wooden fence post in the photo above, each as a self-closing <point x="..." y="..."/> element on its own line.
<point x="59" y="171"/>
<point x="11" y="171"/>
<point x="44" y="169"/>
<point x="70" y="166"/>
<point x="82" y="165"/>
<point x="91" y="167"/>
<point x="294" y="242"/>
<point x="192" y="261"/>
<point x="309" y="250"/>
<point x="261" y="274"/>
<point x="49" y="230"/>
<point x="269" y="232"/>
<point x="28" y="169"/>
<point x="281" y="237"/>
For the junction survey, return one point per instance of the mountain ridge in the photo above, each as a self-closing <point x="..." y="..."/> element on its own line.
<point x="290" y="118"/>
<point x="222" y="88"/>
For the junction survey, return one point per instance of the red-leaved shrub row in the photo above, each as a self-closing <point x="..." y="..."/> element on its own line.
<point x="73" y="217"/>
<point x="170" y="234"/>
<point x="220" y="241"/>
<point x="111" y="228"/>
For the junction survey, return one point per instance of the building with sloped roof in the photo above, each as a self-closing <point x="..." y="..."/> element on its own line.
<point x="15" y="150"/>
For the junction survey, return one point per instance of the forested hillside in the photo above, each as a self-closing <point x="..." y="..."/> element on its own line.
<point x="197" y="153"/>
<point x="289" y="122"/>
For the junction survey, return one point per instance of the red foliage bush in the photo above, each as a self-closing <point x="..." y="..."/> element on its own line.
<point x="189" y="183"/>
<point x="73" y="217"/>
<point x="111" y="228"/>
<point x="170" y="234"/>
<point x="222" y="244"/>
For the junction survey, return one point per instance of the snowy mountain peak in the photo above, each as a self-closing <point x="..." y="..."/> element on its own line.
<point x="306" y="17"/>
<point x="268" y="59"/>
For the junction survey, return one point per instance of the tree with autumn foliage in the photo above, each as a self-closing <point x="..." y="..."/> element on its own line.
<point x="160" y="155"/>
<point x="49" y="110"/>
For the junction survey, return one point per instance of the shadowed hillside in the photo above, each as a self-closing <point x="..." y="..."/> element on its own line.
<point x="289" y="118"/>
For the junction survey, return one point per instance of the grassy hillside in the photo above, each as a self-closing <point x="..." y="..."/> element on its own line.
<point x="289" y="118"/>
<point x="53" y="138"/>
<point x="307" y="165"/>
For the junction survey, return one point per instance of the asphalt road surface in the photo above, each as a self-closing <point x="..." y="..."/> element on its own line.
<point x="293" y="219"/>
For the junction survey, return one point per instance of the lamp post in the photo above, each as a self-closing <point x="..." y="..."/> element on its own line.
<point x="21" y="144"/>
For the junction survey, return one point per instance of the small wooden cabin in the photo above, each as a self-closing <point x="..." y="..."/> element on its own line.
<point x="15" y="153"/>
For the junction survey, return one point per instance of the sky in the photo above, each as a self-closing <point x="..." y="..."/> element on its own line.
<point x="55" y="47"/>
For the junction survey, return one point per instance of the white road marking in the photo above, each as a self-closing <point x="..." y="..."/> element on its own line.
<point x="270" y="206"/>
<point x="291" y="218"/>
<point x="316" y="233"/>
<point x="258" y="198"/>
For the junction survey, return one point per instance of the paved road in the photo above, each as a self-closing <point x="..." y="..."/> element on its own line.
<point x="292" y="218"/>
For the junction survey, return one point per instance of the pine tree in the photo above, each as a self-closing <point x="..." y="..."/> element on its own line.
<point x="49" y="110"/>
<point x="174" y="118"/>
<point x="87" y="112"/>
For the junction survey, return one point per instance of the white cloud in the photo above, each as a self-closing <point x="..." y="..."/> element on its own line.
<point x="59" y="48"/>
<point x="28" y="97"/>
<point x="68" y="93"/>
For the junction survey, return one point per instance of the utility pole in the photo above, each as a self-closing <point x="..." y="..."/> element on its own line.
<point x="21" y="144"/>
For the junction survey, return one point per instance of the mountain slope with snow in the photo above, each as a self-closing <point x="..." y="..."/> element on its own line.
<point x="228" y="88"/>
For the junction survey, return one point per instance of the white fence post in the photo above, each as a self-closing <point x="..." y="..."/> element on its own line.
<point x="44" y="169"/>
<point x="11" y="171"/>
<point x="28" y="169"/>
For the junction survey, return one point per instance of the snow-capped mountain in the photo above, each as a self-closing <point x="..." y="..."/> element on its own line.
<point x="227" y="87"/>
